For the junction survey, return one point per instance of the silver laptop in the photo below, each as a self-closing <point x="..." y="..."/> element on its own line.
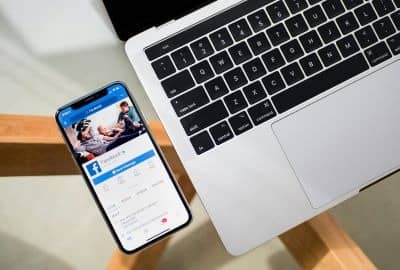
<point x="279" y="110"/>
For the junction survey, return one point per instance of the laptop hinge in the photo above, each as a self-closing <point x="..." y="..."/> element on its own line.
<point x="190" y="10"/>
<point x="165" y="24"/>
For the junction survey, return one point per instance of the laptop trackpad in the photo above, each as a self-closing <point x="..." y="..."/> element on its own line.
<point x="346" y="139"/>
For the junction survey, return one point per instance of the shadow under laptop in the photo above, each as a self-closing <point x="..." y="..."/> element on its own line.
<point x="201" y="249"/>
<point x="17" y="254"/>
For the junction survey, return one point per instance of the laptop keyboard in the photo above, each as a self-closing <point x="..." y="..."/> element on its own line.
<point x="261" y="58"/>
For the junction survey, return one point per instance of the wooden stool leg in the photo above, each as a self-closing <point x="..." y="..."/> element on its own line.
<point x="321" y="244"/>
<point x="148" y="258"/>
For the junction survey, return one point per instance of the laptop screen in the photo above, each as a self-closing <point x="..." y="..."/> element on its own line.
<point x="132" y="17"/>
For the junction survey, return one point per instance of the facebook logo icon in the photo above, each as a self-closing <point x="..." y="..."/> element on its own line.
<point x="93" y="168"/>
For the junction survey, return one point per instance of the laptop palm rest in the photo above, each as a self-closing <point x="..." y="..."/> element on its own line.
<point x="347" y="139"/>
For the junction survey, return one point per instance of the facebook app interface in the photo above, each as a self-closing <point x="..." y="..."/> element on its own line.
<point x="111" y="143"/>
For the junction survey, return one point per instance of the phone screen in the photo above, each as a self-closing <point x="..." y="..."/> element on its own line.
<point x="111" y="143"/>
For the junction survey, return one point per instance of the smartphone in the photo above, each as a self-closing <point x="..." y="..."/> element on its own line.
<point x="123" y="167"/>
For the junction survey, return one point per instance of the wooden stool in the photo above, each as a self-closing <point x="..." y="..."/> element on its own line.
<point x="29" y="145"/>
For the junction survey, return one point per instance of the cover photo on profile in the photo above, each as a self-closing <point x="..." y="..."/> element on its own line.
<point x="104" y="130"/>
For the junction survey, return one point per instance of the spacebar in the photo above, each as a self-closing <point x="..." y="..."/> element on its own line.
<point x="320" y="83"/>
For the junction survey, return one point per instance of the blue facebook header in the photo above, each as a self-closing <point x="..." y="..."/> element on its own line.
<point x="70" y="116"/>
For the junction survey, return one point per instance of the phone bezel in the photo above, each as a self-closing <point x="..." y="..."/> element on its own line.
<point x="87" y="180"/>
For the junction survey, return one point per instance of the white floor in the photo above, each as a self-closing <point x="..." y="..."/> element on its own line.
<point x="52" y="222"/>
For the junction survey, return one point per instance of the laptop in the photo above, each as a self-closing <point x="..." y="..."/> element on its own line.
<point x="278" y="109"/>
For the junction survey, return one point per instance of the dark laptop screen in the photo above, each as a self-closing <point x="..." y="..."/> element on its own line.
<point x="132" y="17"/>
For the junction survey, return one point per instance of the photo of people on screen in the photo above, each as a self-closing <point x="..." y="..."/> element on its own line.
<point x="105" y="130"/>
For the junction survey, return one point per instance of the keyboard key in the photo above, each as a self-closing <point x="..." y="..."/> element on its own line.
<point x="163" y="67"/>
<point x="182" y="57"/>
<point x="315" y="16"/>
<point x="221" y="39"/>
<point x="296" y="5"/>
<point x="240" y="53"/>
<point x="333" y="8"/>
<point x="394" y="44"/>
<point x="277" y="34"/>
<point x="365" y="14"/>
<point x="273" y="59"/>
<point x="329" y="55"/>
<point x="296" y="25"/>
<point x="377" y="54"/>
<point x="240" y="123"/>
<point x="277" y="11"/>
<point x="178" y="83"/>
<point x="396" y="19"/>
<point x="348" y="45"/>
<point x="259" y="20"/>
<point x="384" y="27"/>
<point x="383" y="7"/>
<point x="273" y="83"/>
<point x="347" y="23"/>
<point x="190" y="101"/>
<point x="221" y="132"/>
<point x="366" y="36"/>
<point x="202" y="71"/>
<point x="261" y="112"/>
<point x="329" y="32"/>
<point x="240" y="30"/>
<point x="204" y="117"/>
<point x="235" y="78"/>
<point x="319" y="83"/>
<point x="235" y="102"/>
<point x="202" y="48"/>
<point x="292" y="50"/>
<point x="254" y="69"/>
<point x="292" y="73"/>
<point x="312" y="2"/>
<point x="311" y="64"/>
<point x="254" y="92"/>
<point x="352" y="3"/>
<point x="202" y="142"/>
<point x="259" y="43"/>
<point x="216" y="88"/>
<point x="221" y="62"/>
<point x="310" y="41"/>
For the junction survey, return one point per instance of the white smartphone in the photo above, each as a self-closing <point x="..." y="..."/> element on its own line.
<point x="123" y="167"/>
